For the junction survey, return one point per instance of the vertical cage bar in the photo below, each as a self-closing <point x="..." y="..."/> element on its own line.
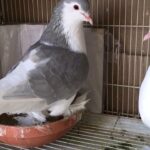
<point x="124" y="54"/>
<point x="103" y="10"/>
<point x="104" y="86"/>
<point x="15" y="7"/>
<point x="42" y="14"/>
<point x="141" y="55"/>
<point x="118" y="57"/>
<point x="29" y="13"/>
<point x="107" y="54"/>
<point x="33" y="11"/>
<point x="7" y="12"/>
<point x="113" y="53"/>
<point x="47" y="15"/>
<point x="3" y="12"/>
<point x="38" y="15"/>
<point x="24" y="10"/>
<point x="135" y="57"/>
<point x="12" y="12"/>
<point x="97" y="13"/>
<point x="51" y="6"/>
<point x="129" y="66"/>
<point x="20" y="11"/>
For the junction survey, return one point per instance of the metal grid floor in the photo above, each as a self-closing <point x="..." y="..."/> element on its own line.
<point x="101" y="132"/>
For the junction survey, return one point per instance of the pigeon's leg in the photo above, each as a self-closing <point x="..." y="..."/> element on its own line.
<point x="59" y="107"/>
<point x="74" y="108"/>
<point x="77" y="106"/>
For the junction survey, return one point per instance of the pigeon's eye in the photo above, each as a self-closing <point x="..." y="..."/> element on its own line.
<point x="76" y="7"/>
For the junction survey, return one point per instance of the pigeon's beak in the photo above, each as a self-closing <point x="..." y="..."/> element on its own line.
<point x="87" y="18"/>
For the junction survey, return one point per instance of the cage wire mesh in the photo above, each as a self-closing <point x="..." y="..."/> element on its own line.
<point x="126" y="57"/>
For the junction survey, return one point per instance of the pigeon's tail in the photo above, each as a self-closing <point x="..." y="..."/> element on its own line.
<point x="78" y="105"/>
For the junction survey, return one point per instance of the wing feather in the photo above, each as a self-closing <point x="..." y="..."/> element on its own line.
<point x="57" y="74"/>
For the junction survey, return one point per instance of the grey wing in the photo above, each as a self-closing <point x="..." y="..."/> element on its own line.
<point x="60" y="76"/>
<point x="22" y="90"/>
<point x="16" y="94"/>
<point x="15" y="84"/>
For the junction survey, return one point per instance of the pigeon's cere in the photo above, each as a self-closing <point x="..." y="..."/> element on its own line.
<point x="88" y="18"/>
<point x="53" y="70"/>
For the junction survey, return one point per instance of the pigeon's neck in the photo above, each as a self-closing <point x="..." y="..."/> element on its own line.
<point x="62" y="32"/>
<point x="74" y="35"/>
<point x="53" y="34"/>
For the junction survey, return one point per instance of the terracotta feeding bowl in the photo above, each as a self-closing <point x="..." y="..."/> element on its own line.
<point x="38" y="135"/>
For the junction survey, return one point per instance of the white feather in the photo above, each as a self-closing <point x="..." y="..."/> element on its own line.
<point x="77" y="106"/>
<point x="28" y="65"/>
<point x="59" y="107"/>
<point x="73" y="28"/>
<point x="31" y="118"/>
<point x="144" y="99"/>
<point x="17" y="76"/>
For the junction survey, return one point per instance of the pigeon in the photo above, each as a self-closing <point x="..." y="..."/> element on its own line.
<point x="144" y="95"/>
<point x="54" y="69"/>
<point x="144" y="99"/>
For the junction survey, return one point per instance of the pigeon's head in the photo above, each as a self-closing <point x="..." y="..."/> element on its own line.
<point x="66" y="25"/>
<point x="76" y="11"/>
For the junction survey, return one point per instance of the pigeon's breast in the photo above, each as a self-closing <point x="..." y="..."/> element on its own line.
<point x="71" y="67"/>
<point x="80" y="67"/>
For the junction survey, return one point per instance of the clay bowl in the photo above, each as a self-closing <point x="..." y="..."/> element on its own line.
<point x="34" y="136"/>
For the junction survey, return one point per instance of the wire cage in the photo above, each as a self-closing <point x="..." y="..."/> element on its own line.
<point x="126" y="56"/>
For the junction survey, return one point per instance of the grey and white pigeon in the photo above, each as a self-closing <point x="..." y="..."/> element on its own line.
<point x="52" y="71"/>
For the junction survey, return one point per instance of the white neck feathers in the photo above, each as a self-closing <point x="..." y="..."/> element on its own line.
<point x="73" y="31"/>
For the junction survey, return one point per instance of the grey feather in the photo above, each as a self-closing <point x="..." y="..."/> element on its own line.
<point x="59" y="77"/>
<point x="22" y="90"/>
<point x="53" y="34"/>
